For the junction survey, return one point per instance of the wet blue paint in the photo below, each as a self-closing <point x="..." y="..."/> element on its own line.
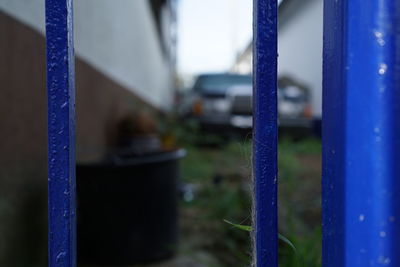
<point x="265" y="133"/>
<point x="61" y="133"/>
<point x="361" y="143"/>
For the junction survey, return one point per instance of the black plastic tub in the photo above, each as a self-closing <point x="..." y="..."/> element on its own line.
<point x="127" y="209"/>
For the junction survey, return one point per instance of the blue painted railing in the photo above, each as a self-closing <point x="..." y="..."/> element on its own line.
<point x="361" y="133"/>
<point x="265" y="132"/>
<point x="361" y="137"/>
<point x="61" y="133"/>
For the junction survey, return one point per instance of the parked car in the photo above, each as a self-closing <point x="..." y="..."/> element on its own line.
<point x="220" y="102"/>
<point x="294" y="105"/>
<point x="223" y="103"/>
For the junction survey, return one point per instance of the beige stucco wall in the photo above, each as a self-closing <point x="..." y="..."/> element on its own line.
<point x="101" y="103"/>
<point x="119" y="38"/>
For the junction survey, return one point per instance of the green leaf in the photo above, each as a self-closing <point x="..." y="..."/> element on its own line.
<point x="249" y="228"/>
<point x="288" y="242"/>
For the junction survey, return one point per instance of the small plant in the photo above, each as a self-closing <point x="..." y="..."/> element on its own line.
<point x="222" y="178"/>
<point x="249" y="228"/>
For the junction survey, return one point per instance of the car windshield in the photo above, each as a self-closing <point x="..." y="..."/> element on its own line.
<point x="220" y="83"/>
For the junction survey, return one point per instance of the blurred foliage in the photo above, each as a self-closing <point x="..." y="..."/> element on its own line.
<point x="300" y="201"/>
<point x="221" y="176"/>
<point x="222" y="192"/>
<point x="176" y="132"/>
<point x="305" y="146"/>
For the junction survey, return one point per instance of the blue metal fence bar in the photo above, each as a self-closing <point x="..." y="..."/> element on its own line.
<point x="61" y="133"/>
<point x="333" y="135"/>
<point x="265" y="132"/>
<point x="361" y="128"/>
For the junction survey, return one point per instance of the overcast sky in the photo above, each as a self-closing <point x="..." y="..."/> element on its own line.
<point x="211" y="33"/>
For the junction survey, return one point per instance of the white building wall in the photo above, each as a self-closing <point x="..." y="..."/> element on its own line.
<point x="118" y="38"/>
<point x="300" y="50"/>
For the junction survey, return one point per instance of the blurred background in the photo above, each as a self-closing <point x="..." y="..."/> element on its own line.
<point x="164" y="121"/>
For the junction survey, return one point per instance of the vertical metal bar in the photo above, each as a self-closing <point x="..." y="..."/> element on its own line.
<point x="61" y="133"/>
<point x="361" y="127"/>
<point x="265" y="133"/>
<point x="333" y="134"/>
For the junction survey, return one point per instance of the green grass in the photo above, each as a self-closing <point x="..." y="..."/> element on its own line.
<point x="230" y="199"/>
<point x="300" y="201"/>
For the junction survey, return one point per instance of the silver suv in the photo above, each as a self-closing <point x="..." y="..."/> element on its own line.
<point x="224" y="102"/>
<point x="220" y="102"/>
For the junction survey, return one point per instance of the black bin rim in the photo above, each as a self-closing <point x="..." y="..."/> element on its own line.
<point x="143" y="159"/>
